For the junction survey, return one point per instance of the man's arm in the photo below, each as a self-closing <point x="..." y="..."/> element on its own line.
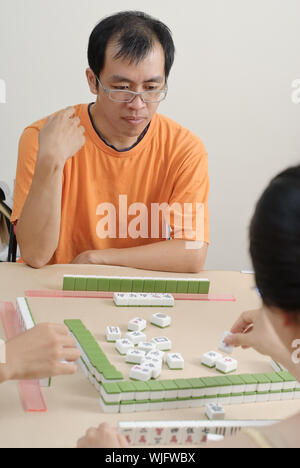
<point x="171" y="255"/>
<point x="38" y="227"/>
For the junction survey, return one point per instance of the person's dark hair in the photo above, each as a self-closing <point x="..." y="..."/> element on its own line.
<point x="135" y="33"/>
<point x="275" y="242"/>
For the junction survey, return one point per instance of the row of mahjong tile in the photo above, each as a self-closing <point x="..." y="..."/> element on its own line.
<point x="24" y="314"/>
<point x="193" y="393"/>
<point x="92" y="355"/>
<point x="136" y="284"/>
<point x="143" y="299"/>
<point x="182" y="432"/>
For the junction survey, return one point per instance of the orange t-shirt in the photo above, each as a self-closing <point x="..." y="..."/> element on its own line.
<point x="111" y="199"/>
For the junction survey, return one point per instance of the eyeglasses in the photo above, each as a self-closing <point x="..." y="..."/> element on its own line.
<point x="120" y="95"/>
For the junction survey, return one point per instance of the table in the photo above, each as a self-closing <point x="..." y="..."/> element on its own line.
<point x="72" y="402"/>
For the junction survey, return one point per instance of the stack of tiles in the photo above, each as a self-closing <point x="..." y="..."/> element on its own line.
<point x="122" y="299"/>
<point x="161" y="320"/>
<point x="27" y="322"/>
<point x="198" y="392"/>
<point x="136" y="284"/>
<point x="182" y="432"/>
<point x="93" y="361"/>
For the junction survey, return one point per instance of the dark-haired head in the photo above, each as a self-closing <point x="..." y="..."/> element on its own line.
<point x="135" y="34"/>
<point x="275" y="243"/>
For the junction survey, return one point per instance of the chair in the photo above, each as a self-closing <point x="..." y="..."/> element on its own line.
<point x="6" y="211"/>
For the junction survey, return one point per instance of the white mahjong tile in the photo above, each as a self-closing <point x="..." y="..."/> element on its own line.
<point x="158" y="434"/>
<point x="155" y="370"/>
<point x="250" y="398"/>
<point x="156" y="405"/>
<point x="137" y="324"/>
<point x="123" y="345"/>
<point x="136" y="337"/>
<point x="133" y="299"/>
<point x="275" y="396"/>
<point x="174" y="436"/>
<point x="144" y="299"/>
<point x="156" y="361"/>
<point x="142" y="407"/>
<point x="109" y="408"/>
<point x="124" y="408"/>
<point x="110" y="397"/>
<point x="190" y="435"/>
<point x="168" y="300"/>
<point x="135" y="356"/>
<point x="236" y="400"/>
<point x="121" y="299"/>
<point x="223" y="346"/>
<point x="143" y="436"/>
<point x="266" y="387"/>
<point x="175" y="361"/>
<point x="214" y="411"/>
<point x="156" y="354"/>
<point x="210" y="358"/>
<point x="161" y="320"/>
<point x="289" y="385"/>
<point x="162" y="343"/>
<point x="226" y="365"/>
<point x="140" y="373"/>
<point x="146" y="346"/>
<point x="128" y="433"/>
<point x="113" y="333"/>
<point x="261" y="398"/>
<point x="288" y="395"/>
<point x="156" y="299"/>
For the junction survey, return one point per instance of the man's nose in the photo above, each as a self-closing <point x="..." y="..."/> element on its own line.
<point x="137" y="102"/>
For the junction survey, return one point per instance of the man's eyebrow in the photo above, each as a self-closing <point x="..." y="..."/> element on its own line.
<point x="119" y="79"/>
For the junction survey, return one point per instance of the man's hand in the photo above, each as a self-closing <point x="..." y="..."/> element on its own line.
<point x="61" y="137"/>
<point x="37" y="353"/>
<point x="103" y="437"/>
<point x="254" y="330"/>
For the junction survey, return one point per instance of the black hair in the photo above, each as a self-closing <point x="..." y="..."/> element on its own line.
<point x="275" y="242"/>
<point x="135" y="33"/>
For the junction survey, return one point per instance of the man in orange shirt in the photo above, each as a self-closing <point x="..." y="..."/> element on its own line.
<point x="103" y="183"/>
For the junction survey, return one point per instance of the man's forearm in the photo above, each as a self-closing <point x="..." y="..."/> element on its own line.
<point x="39" y="224"/>
<point x="170" y="255"/>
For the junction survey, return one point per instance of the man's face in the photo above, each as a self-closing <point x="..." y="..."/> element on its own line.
<point x="130" y="119"/>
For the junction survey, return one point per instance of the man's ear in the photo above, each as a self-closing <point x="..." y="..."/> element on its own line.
<point x="92" y="82"/>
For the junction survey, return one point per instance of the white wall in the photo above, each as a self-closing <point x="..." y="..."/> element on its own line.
<point x="231" y="85"/>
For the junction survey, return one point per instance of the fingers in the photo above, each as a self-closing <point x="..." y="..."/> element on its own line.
<point x="65" y="369"/>
<point x="71" y="354"/>
<point x="239" y="339"/>
<point x="244" y="321"/>
<point x="122" y="441"/>
<point x="68" y="112"/>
